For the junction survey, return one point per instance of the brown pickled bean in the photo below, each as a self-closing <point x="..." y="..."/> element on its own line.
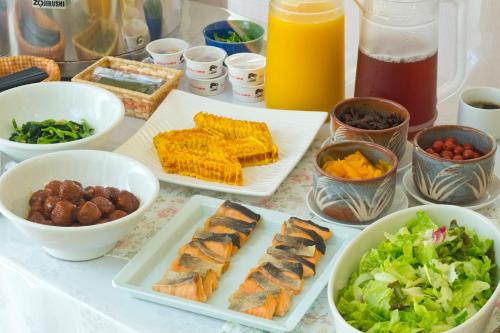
<point x="70" y="191"/>
<point x="117" y="214"/>
<point x="127" y="201"/>
<point x="52" y="188"/>
<point x="88" y="214"/>
<point x="105" y="206"/>
<point x="63" y="213"/>
<point x="66" y="203"/>
<point x="452" y="150"/>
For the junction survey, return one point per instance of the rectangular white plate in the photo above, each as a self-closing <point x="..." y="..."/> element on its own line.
<point x="292" y="132"/>
<point x="148" y="266"/>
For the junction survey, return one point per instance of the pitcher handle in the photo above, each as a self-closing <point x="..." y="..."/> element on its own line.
<point x="449" y="87"/>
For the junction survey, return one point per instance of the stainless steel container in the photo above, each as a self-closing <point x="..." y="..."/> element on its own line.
<point x="77" y="32"/>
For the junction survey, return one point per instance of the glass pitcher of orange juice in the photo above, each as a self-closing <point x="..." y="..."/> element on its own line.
<point x="305" y="55"/>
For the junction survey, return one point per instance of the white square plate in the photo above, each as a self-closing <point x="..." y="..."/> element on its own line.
<point x="148" y="266"/>
<point x="292" y="132"/>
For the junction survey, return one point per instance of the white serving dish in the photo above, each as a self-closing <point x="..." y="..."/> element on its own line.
<point x="246" y="69"/>
<point x="197" y="66"/>
<point x="247" y="94"/>
<point x="89" y="167"/>
<point x="292" y="132"/>
<point x="208" y="87"/>
<point x="148" y="266"/>
<point x="374" y="234"/>
<point x="61" y="101"/>
<point x="157" y="48"/>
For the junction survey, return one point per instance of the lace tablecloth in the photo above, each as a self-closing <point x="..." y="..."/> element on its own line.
<point x="289" y="198"/>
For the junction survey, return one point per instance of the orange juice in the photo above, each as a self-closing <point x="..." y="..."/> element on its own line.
<point x="305" y="55"/>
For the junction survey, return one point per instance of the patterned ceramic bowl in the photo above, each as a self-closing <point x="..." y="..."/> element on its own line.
<point x="447" y="181"/>
<point x="393" y="138"/>
<point x="354" y="200"/>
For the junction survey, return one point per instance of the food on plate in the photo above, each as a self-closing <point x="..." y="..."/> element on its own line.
<point x="424" y="278"/>
<point x="355" y="166"/>
<point x="268" y="289"/>
<point x="66" y="203"/>
<point x="194" y="274"/>
<point x="232" y="37"/>
<point x="50" y="131"/>
<point x="217" y="149"/>
<point x="369" y="119"/>
<point x="451" y="150"/>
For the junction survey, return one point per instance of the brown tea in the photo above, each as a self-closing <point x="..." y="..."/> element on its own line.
<point x="484" y="105"/>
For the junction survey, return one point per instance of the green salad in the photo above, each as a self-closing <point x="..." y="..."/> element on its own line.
<point x="232" y="37"/>
<point x="422" y="279"/>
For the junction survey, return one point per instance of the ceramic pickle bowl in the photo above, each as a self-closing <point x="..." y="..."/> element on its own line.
<point x="393" y="138"/>
<point x="242" y="28"/>
<point x="451" y="181"/>
<point x="358" y="200"/>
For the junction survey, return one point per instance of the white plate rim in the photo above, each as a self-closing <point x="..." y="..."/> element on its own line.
<point x="316" y="119"/>
<point x="399" y="193"/>
<point x="168" y="231"/>
<point x="410" y="188"/>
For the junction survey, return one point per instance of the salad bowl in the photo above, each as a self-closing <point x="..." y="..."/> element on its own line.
<point x="59" y="101"/>
<point x="441" y="216"/>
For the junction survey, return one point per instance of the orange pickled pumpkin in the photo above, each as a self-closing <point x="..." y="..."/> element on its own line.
<point x="355" y="166"/>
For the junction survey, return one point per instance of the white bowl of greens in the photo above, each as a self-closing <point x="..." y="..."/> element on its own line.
<point x="416" y="271"/>
<point x="89" y="115"/>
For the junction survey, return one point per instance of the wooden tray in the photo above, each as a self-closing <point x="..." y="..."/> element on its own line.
<point x="137" y="104"/>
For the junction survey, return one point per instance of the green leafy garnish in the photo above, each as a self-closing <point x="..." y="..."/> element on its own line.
<point x="232" y="37"/>
<point x="424" y="279"/>
<point x="50" y="131"/>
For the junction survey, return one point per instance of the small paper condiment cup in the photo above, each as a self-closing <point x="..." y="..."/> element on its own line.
<point x="247" y="94"/>
<point x="204" y="62"/>
<point x="167" y="52"/>
<point x="207" y="87"/>
<point x="486" y="120"/>
<point x="246" y="68"/>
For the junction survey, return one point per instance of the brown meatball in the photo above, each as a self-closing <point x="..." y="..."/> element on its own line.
<point x="96" y="191"/>
<point x="88" y="214"/>
<point x="70" y="191"/>
<point x="105" y="206"/>
<point x="38" y="217"/>
<point x="52" y="188"/>
<point x="37" y="197"/>
<point x="63" y="213"/>
<point x="127" y="201"/>
<point x="117" y="214"/>
<point x="49" y="204"/>
<point x="113" y="193"/>
<point x="36" y="207"/>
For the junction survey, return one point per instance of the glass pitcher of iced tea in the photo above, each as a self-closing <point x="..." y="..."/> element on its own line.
<point x="398" y="56"/>
<point x="305" y="55"/>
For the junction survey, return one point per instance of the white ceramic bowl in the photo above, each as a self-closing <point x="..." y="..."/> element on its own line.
<point x="374" y="234"/>
<point x="175" y="47"/>
<point x="247" y="94"/>
<point x="204" y="62"/>
<point x="486" y="120"/>
<point x="90" y="167"/>
<point x="208" y="87"/>
<point x="247" y="69"/>
<point x="61" y="101"/>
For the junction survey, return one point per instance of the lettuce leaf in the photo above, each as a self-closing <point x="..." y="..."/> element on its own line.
<point x="422" y="279"/>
